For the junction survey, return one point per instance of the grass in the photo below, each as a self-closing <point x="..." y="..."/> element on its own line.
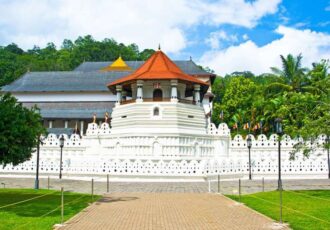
<point x="308" y="209"/>
<point x="38" y="213"/>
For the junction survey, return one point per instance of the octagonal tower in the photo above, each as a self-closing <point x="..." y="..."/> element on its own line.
<point x="158" y="99"/>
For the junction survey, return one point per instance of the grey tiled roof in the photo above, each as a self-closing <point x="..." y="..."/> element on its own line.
<point x="74" y="113"/>
<point x="70" y="110"/>
<point x="85" y="77"/>
<point x="189" y="67"/>
<point x="70" y="105"/>
<point x="63" y="81"/>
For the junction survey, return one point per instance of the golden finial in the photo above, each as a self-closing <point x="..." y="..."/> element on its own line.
<point x="159" y="46"/>
<point x="94" y="118"/>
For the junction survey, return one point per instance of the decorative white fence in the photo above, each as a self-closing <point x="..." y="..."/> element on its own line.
<point x="100" y="152"/>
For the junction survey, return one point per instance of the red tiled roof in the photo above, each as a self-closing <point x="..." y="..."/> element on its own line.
<point x="158" y="67"/>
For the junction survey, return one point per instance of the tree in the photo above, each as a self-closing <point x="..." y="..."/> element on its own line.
<point x="13" y="48"/>
<point x="19" y="130"/>
<point x="317" y="119"/>
<point x="236" y="101"/>
<point x="14" y="61"/>
<point x="291" y="77"/>
<point x="145" y="54"/>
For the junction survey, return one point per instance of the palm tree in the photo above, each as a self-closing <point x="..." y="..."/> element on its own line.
<point x="291" y="77"/>
<point x="320" y="79"/>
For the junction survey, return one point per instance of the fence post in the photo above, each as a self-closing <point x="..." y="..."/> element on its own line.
<point x="107" y="183"/>
<point x="239" y="190"/>
<point x="92" y="189"/>
<point x="218" y="183"/>
<point x="62" y="205"/>
<point x="209" y="184"/>
<point x="263" y="184"/>
<point x="48" y="183"/>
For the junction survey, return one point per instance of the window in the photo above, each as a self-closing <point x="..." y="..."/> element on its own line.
<point x="156" y="111"/>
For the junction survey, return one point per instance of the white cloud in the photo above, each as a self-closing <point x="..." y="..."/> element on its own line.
<point x="145" y="22"/>
<point x="239" y="12"/>
<point x="216" y="37"/>
<point x="245" y="37"/>
<point x="247" y="56"/>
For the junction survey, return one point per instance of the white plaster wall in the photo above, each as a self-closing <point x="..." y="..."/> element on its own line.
<point x="64" y="96"/>
<point x="174" y="118"/>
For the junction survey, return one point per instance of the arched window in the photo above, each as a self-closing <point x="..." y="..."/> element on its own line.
<point x="156" y="111"/>
<point x="157" y="95"/>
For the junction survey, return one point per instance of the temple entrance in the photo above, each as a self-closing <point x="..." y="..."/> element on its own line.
<point x="158" y="95"/>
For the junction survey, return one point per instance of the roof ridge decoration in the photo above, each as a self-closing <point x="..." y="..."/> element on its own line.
<point x="117" y="65"/>
<point x="158" y="67"/>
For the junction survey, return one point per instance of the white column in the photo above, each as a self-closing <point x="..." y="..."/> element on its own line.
<point x="119" y="95"/>
<point x="50" y="124"/>
<point x="81" y="128"/>
<point x="66" y="124"/>
<point x="139" y="94"/>
<point x="197" y="94"/>
<point x="174" y="90"/>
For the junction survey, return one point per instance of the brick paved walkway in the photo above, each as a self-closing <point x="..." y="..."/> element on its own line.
<point x="168" y="211"/>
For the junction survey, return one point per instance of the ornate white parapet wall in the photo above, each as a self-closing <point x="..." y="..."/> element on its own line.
<point x="101" y="152"/>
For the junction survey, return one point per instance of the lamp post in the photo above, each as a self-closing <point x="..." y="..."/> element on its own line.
<point x="36" y="182"/>
<point x="61" y="146"/>
<point x="328" y="147"/>
<point x="249" y="145"/>
<point x="279" y="131"/>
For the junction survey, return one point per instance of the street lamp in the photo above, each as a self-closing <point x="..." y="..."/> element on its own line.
<point x="36" y="182"/>
<point x="61" y="146"/>
<point x="249" y="145"/>
<point x="279" y="131"/>
<point x="328" y="147"/>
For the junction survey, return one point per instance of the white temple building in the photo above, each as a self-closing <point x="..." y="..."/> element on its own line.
<point x="160" y="126"/>
<point x="72" y="98"/>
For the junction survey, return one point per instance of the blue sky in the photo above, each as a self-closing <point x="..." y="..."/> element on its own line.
<point x="226" y="35"/>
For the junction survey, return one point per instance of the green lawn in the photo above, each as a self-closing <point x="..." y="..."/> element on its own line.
<point x="39" y="213"/>
<point x="301" y="209"/>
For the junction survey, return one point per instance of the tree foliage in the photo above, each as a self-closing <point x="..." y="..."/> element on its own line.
<point x="297" y="95"/>
<point x="19" y="130"/>
<point x="14" y="61"/>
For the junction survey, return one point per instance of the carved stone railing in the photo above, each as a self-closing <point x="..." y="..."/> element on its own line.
<point x="185" y="101"/>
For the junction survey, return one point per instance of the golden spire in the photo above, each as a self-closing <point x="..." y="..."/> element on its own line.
<point x="117" y="65"/>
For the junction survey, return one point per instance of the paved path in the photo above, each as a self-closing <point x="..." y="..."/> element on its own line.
<point x="168" y="211"/>
<point x="227" y="187"/>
